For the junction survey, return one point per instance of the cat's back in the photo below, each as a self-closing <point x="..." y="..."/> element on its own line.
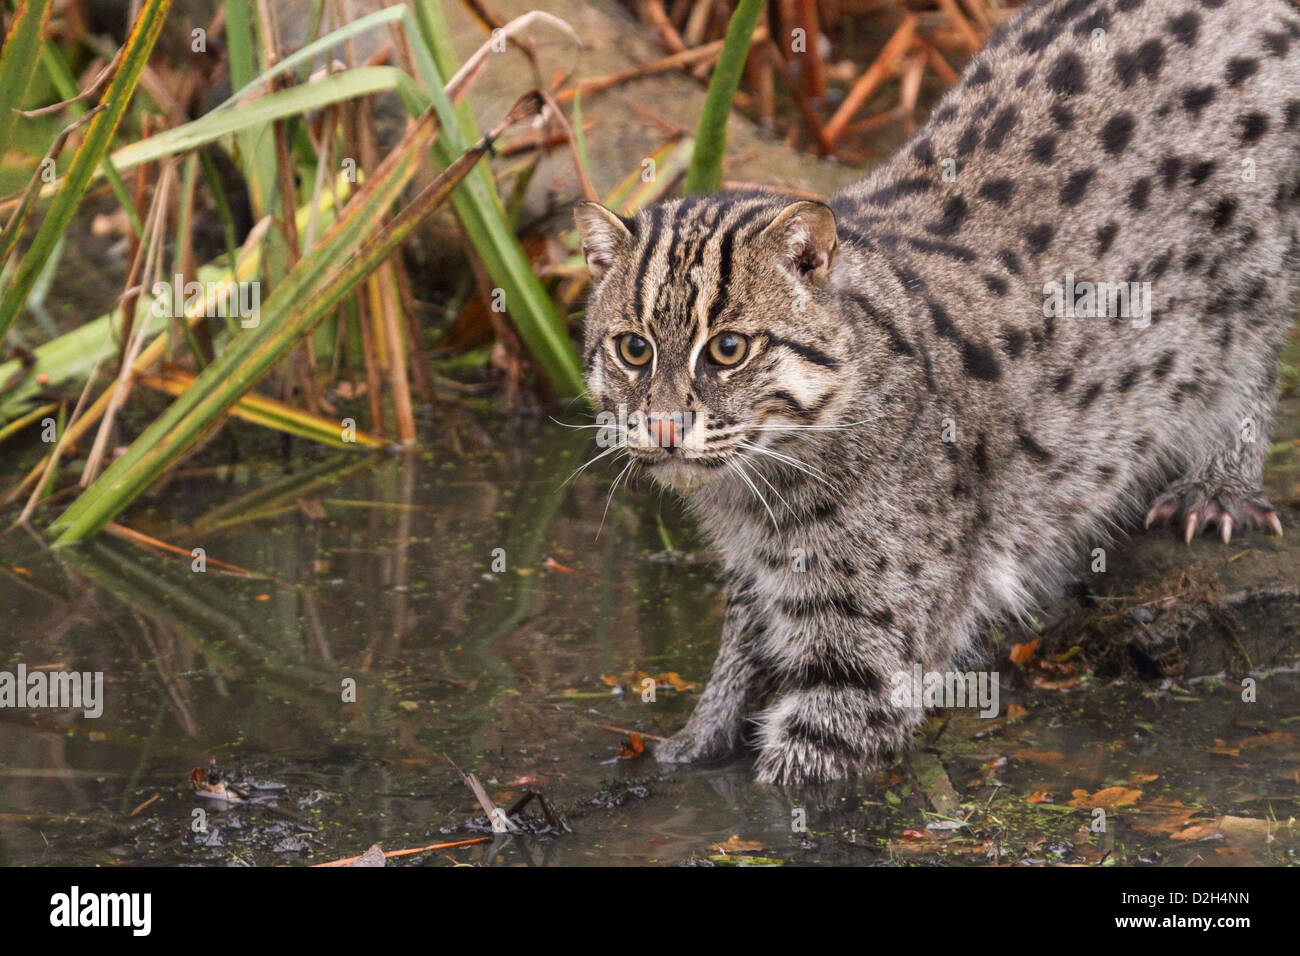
<point x="1098" y="132"/>
<point x="1145" y="145"/>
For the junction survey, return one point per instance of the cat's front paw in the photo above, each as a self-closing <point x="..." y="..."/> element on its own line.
<point x="688" y="745"/>
<point x="1193" y="506"/>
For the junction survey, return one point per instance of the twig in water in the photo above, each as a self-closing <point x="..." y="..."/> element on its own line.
<point x="501" y="822"/>
<point x="389" y="854"/>
<point x="623" y="730"/>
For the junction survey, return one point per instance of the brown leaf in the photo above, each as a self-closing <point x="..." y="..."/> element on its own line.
<point x="633" y="681"/>
<point x="1197" y="831"/>
<point x="1161" y="817"/>
<point x="1042" y="758"/>
<point x="1020" y="653"/>
<point x="1109" y="797"/>
<point x="1054" y="684"/>
<point x="674" y="680"/>
<point x="734" y="844"/>
<point x="632" y="747"/>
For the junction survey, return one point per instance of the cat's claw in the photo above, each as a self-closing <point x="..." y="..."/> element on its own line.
<point x="1195" y="510"/>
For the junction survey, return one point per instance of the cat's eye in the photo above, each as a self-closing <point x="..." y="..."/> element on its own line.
<point x="728" y="348"/>
<point x="634" y="350"/>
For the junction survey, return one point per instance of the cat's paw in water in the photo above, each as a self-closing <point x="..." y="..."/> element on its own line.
<point x="1194" y="506"/>
<point x="688" y="746"/>
<point x="798" y="764"/>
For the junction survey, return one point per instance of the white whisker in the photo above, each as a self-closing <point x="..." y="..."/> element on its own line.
<point x="583" y="467"/>
<point x="567" y="425"/>
<point x="805" y="428"/>
<point x="731" y="463"/>
<point x="612" y="488"/>
<point x="795" y="463"/>
<point x="759" y="475"/>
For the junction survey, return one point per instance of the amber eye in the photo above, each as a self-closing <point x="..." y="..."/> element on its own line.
<point x="728" y="348"/>
<point x="634" y="350"/>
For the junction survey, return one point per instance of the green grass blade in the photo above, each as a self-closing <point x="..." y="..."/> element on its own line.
<point x="98" y="137"/>
<point x="247" y="120"/>
<point x="310" y="51"/>
<point x="705" y="172"/>
<point x="19" y="424"/>
<point x="258" y="164"/>
<point x="18" y="61"/>
<point x="63" y="80"/>
<point x="483" y="216"/>
<point x="311" y="290"/>
<point x="271" y="413"/>
<point x="71" y="356"/>
<point x="579" y="137"/>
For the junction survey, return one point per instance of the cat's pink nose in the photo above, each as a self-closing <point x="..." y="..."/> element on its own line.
<point x="665" y="432"/>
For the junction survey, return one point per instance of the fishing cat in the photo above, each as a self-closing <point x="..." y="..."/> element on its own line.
<point x="907" y="411"/>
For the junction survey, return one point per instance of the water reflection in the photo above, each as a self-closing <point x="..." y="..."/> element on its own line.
<point x="374" y="640"/>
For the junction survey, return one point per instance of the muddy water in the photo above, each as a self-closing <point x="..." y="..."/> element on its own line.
<point x="379" y="575"/>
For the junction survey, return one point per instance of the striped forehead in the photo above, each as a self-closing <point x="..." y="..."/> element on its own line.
<point x="684" y="259"/>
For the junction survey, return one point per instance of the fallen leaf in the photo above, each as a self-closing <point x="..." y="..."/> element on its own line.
<point x="1109" y="797"/>
<point x="674" y="680"/>
<point x="1020" y="653"/>
<point x="550" y="564"/>
<point x="632" y="747"/>
<point x="1161" y="817"/>
<point x="734" y="844"/>
<point x="1042" y="758"/>
<point x="633" y="682"/>
<point x="1055" y="684"/>
<point x="1197" y="831"/>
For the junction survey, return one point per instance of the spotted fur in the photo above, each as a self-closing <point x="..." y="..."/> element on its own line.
<point x="1112" y="140"/>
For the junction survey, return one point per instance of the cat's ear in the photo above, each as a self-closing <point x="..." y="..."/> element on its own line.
<point x="605" y="236"/>
<point x="804" y="239"/>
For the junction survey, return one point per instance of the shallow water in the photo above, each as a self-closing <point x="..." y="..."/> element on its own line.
<point x="380" y="571"/>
